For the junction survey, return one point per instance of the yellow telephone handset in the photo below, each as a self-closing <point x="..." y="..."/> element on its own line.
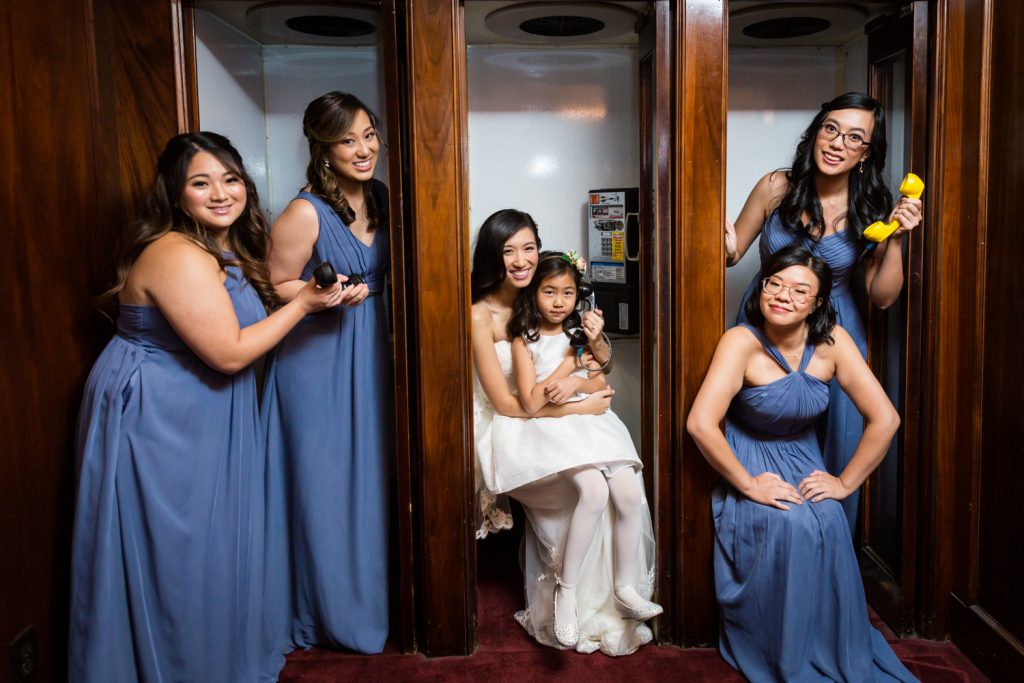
<point x="911" y="187"/>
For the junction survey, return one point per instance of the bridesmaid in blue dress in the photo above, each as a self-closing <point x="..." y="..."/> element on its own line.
<point x="167" y="556"/>
<point x="328" y="404"/>
<point x="786" y="576"/>
<point x="833" y="191"/>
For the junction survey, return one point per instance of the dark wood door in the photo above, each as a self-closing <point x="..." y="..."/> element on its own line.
<point x="984" y="481"/>
<point x="969" y="580"/>
<point x="898" y="77"/>
<point x="657" y="407"/>
<point x="89" y="100"/>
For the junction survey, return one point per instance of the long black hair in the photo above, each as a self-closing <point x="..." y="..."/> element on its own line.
<point x="526" y="319"/>
<point x="488" y="263"/>
<point x="248" y="238"/>
<point x="822" y="318"/>
<point x="869" y="199"/>
<point x="326" y="121"/>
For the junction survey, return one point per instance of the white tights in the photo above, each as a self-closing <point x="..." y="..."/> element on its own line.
<point x="594" y="490"/>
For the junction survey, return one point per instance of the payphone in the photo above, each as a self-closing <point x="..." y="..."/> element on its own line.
<point x="613" y="234"/>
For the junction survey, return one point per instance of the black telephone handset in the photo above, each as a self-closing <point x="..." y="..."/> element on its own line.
<point x="326" y="276"/>
<point x="578" y="339"/>
<point x="584" y="302"/>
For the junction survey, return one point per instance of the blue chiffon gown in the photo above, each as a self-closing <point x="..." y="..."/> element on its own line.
<point x="167" y="553"/>
<point x="844" y="423"/>
<point x="327" y="411"/>
<point x="787" y="581"/>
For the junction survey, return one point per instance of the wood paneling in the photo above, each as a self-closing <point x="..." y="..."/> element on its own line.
<point x="440" y="300"/>
<point x="954" y="216"/>
<point x="1000" y="561"/>
<point x="403" y="321"/>
<point x="85" y="109"/>
<point x="699" y="297"/>
<point x="658" y="408"/>
<point x="987" y="620"/>
<point x="892" y="586"/>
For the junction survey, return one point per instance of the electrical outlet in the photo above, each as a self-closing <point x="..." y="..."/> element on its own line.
<point x="24" y="651"/>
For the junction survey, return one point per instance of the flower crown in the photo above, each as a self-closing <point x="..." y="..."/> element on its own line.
<point x="575" y="260"/>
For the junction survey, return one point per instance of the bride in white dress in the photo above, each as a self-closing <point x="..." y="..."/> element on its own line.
<point x="508" y="446"/>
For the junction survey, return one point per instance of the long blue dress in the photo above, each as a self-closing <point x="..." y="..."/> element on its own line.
<point x="327" y="411"/>
<point x="167" y="553"/>
<point x="787" y="581"/>
<point x="844" y="423"/>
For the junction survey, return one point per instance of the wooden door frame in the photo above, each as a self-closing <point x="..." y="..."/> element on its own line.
<point x="893" y="593"/>
<point x="404" y="322"/>
<point x="433" y="364"/>
<point x="701" y="45"/>
<point x="689" y="284"/>
<point x="958" y="216"/>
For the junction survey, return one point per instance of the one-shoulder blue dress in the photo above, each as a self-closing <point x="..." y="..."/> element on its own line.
<point x="327" y="412"/>
<point x="167" y="553"/>
<point x="787" y="581"/>
<point x="841" y="251"/>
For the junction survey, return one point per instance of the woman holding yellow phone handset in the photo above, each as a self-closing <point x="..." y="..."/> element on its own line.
<point x="832" y="192"/>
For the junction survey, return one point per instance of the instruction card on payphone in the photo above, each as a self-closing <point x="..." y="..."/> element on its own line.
<point x="607" y="236"/>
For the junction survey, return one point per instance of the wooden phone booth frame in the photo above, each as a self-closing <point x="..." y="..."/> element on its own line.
<point x="683" y="304"/>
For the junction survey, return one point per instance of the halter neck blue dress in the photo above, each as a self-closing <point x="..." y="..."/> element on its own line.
<point x="328" y="414"/>
<point x="844" y="423"/>
<point x="167" y="553"/>
<point x="787" y="581"/>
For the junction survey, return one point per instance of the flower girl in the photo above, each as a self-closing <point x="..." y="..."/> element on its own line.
<point x="588" y="458"/>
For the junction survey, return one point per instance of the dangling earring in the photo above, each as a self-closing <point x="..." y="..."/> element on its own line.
<point x="862" y="166"/>
<point x="327" y="164"/>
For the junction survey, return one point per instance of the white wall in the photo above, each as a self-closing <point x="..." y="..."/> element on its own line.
<point x="773" y="95"/>
<point x="255" y="95"/>
<point x="545" y="126"/>
<point x="229" y="70"/>
<point x="295" y="76"/>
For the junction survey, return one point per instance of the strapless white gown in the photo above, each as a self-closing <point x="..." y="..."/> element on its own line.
<point x="533" y="451"/>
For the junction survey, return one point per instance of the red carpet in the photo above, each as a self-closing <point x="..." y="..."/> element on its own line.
<point x="505" y="654"/>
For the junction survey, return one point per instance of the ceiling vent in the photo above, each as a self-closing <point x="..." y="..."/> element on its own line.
<point x="781" y="29"/>
<point x="330" y="26"/>
<point x="562" y="26"/>
<point x="327" y="23"/>
<point x="561" y="22"/>
<point x="795" y="23"/>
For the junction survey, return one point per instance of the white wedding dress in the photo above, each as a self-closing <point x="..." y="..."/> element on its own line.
<point x="531" y="453"/>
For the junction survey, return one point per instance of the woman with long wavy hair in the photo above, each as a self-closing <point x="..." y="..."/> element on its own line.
<point x="786" y="574"/>
<point x="506" y="263"/>
<point x="327" y="403"/>
<point x="832" y="192"/>
<point x="167" y="560"/>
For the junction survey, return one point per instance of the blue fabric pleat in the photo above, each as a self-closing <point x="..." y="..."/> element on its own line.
<point x="167" y="551"/>
<point x="787" y="581"/>
<point x="327" y="413"/>
<point x="843" y="422"/>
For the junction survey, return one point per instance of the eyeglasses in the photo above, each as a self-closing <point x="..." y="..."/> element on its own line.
<point x="853" y="141"/>
<point x="798" y="293"/>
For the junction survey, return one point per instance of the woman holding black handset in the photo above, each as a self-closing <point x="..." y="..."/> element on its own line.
<point x="327" y="402"/>
<point x="825" y="202"/>
<point x="587" y="560"/>
<point x="167" y="555"/>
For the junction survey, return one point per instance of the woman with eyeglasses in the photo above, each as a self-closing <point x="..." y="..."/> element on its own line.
<point x="786" y="575"/>
<point x="832" y="192"/>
